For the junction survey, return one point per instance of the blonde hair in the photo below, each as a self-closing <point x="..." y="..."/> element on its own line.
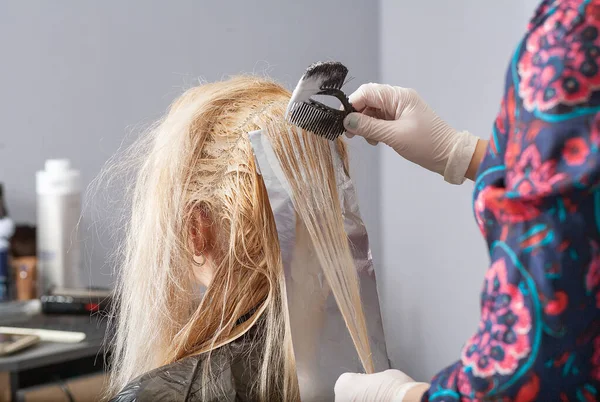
<point x="198" y="161"/>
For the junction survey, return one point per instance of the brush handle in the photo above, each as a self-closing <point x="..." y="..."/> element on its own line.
<point x="341" y="96"/>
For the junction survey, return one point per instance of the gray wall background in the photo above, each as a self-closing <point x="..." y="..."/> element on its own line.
<point x="434" y="257"/>
<point x="76" y="77"/>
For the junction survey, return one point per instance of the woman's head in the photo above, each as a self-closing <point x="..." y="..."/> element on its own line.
<point x="200" y="216"/>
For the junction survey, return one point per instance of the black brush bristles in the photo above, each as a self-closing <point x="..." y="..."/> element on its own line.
<point x="317" y="118"/>
<point x="327" y="79"/>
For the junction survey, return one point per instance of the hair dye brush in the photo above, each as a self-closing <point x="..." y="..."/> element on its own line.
<point x="322" y="78"/>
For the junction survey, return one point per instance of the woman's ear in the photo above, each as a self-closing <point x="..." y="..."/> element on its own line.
<point x="202" y="238"/>
<point x="201" y="233"/>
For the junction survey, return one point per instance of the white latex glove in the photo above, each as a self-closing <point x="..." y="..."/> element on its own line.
<point x="387" y="386"/>
<point x="398" y="117"/>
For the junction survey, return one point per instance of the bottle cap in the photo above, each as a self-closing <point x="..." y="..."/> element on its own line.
<point x="57" y="165"/>
<point x="58" y="177"/>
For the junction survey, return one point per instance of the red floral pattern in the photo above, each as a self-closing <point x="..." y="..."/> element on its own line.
<point x="575" y="151"/>
<point x="513" y="152"/>
<point x="596" y="359"/>
<point x="558" y="304"/>
<point x="592" y="278"/>
<point x="531" y="176"/>
<point x="502" y="338"/>
<point x="595" y="133"/>
<point x="529" y="391"/>
<point x="492" y="202"/>
<point x="537" y="203"/>
<point x="561" y="58"/>
<point x="463" y="384"/>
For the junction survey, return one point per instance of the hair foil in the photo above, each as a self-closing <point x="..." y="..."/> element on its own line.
<point x="323" y="348"/>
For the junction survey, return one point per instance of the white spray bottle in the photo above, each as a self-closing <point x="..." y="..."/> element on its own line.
<point x="58" y="211"/>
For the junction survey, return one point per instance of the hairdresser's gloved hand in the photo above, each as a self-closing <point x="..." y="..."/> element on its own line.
<point x="387" y="386"/>
<point x="399" y="118"/>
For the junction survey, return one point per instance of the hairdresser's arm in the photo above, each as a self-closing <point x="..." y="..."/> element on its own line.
<point x="398" y="117"/>
<point x="538" y="206"/>
<point x="476" y="159"/>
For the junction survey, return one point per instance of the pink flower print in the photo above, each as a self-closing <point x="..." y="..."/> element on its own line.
<point x="493" y="201"/>
<point x="592" y="278"/>
<point x="596" y="359"/>
<point x="575" y="151"/>
<point x="503" y="335"/>
<point x="561" y="59"/>
<point x="531" y="177"/>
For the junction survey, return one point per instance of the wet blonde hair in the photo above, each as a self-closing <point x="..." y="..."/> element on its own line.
<point x="198" y="162"/>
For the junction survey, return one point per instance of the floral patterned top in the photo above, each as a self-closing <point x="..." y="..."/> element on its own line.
<point x="537" y="202"/>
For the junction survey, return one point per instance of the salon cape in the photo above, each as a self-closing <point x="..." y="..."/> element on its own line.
<point x="234" y="369"/>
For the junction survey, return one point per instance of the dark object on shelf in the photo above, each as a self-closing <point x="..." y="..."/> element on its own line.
<point x="22" y="243"/>
<point x="76" y="301"/>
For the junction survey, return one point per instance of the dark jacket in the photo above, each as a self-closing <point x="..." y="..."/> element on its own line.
<point x="234" y="368"/>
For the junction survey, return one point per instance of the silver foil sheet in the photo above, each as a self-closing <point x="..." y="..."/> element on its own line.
<point x="323" y="347"/>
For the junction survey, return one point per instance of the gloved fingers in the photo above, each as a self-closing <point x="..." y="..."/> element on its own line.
<point x="371" y="142"/>
<point x="344" y="381"/>
<point x="397" y="375"/>
<point x="350" y="387"/>
<point x="368" y="111"/>
<point x="384" y="386"/>
<point x="372" y="129"/>
<point x="372" y="112"/>
<point x="346" y="133"/>
<point x="364" y="108"/>
<point x="375" y="96"/>
<point x="375" y="113"/>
